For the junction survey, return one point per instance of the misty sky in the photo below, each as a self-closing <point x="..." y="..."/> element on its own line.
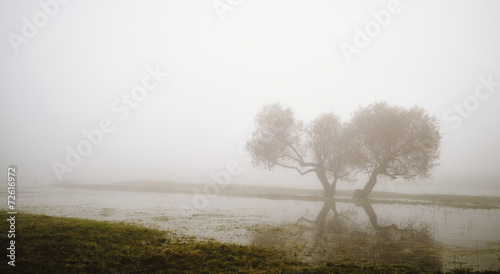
<point x="75" y="70"/>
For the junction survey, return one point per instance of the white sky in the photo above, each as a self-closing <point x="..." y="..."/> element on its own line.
<point x="65" y="78"/>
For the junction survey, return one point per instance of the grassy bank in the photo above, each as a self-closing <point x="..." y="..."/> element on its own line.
<point x="66" y="245"/>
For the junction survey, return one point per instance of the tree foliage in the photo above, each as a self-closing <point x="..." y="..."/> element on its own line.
<point x="379" y="140"/>
<point x="282" y="141"/>
<point x="395" y="142"/>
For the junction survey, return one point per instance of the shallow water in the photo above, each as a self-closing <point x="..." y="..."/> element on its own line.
<point x="245" y="220"/>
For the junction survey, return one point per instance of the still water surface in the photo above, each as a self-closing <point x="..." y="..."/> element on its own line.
<point x="464" y="237"/>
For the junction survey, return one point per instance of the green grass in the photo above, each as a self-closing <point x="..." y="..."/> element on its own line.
<point x="67" y="245"/>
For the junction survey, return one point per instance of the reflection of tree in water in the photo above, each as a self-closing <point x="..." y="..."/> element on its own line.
<point x="338" y="238"/>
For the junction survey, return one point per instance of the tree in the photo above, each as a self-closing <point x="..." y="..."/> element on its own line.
<point x="281" y="141"/>
<point x="395" y="142"/>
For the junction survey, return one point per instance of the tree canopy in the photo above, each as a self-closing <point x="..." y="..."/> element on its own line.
<point x="379" y="140"/>
<point x="282" y="141"/>
<point x="395" y="142"/>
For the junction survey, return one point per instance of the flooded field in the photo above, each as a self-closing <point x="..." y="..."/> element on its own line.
<point x="314" y="231"/>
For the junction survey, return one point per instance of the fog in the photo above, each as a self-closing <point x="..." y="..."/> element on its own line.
<point x="74" y="73"/>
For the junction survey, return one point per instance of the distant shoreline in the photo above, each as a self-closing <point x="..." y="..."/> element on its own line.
<point x="277" y="193"/>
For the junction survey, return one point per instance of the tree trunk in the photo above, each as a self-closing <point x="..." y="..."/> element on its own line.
<point x="333" y="186"/>
<point x="329" y="192"/>
<point x="329" y="189"/>
<point x="363" y="193"/>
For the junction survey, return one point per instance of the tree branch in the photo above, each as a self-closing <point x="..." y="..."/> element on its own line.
<point x="298" y="170"/>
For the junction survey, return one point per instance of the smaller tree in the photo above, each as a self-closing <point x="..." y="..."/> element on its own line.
<point x="281" y="141"/>
<point x="395" y="142"/>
